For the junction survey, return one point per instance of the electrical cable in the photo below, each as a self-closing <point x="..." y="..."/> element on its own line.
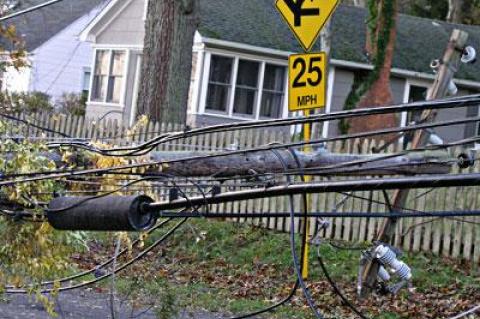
<point x="70" y="173"/>
<point x="446" y="103"/>
<point x="297" y="265"/>
<point x="45" y="129"/>
<point x="335" y="287"/>
<point x="100" y="266"/>
<point x="119" y="269"/>
<point x="28" y="10"/>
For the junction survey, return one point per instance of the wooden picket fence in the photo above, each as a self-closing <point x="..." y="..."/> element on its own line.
<point x="455" y="238"/>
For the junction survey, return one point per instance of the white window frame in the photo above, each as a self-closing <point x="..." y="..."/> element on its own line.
<point x="406" y="95"/>
<point x="202" y="110"/>
<point x="121" y="103"/>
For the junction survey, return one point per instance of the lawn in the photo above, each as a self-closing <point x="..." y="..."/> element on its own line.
<point x="236" y="269"/>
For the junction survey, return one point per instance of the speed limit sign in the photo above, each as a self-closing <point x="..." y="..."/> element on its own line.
<point x="307" y="81"/>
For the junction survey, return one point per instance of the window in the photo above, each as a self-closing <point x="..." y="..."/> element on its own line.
<point x="87" y="74"/>
<point x="417" y="93"/>
<point x="246" y="89"/>
<point x="108" y="76"/>
<point x="258" y="88"/>
<point x="273" y="91"/>
<point x="220" y="84"/>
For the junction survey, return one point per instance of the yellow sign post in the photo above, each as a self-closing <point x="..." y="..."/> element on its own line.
<point x="307" y="72"/>
<point x="307" y="85"/>
<point x="306" y="18"/>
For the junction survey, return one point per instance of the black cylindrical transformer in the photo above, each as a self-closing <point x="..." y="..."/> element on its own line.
<point x="110" y="213"/>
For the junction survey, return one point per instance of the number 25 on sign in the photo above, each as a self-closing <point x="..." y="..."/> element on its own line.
<point x="307" y="81"/>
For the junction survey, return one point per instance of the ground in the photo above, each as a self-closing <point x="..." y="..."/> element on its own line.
<point x="84" y="304"/>
<point x="223" y="267"/>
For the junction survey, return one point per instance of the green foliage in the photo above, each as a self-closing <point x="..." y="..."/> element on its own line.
<point x="74" y="104"/>
<point x="31" y="102"/>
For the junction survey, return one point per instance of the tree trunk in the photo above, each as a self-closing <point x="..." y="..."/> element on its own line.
<point x="379" y="93"/>
<point x="455" y="11"/>
<point x="167" y="59"/>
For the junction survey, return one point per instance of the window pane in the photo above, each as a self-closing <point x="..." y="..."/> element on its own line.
<point x="101" y="62"/>
<point x="217" y="98"/>
<point x="272" y="105"/>
<point x="221" y="69"/>
<point x="274" y="78"/>
<point x="114" y="89"/>
<point x="247" y="73"/>
<point x="244" y="101"/>
<point x="115" y="83"/>
<point x="118" y="63"/>
<point x="101" y="75"/>
<point x="86" y="80"/>
<point x="219" y="83"/>
<point x="98" y="89"/>
<point x="273" y="88"/>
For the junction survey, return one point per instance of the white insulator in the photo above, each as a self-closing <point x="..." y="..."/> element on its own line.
<point x="452" y="88"/>
<point x="388" y="258"/>
<point x="403" y="271"/>
<point x="383" y="274"/>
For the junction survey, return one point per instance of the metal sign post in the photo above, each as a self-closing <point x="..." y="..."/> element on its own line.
<point x="307" y="85"/>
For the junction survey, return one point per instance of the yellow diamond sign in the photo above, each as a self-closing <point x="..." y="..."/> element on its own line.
<point x="306" y="18"/>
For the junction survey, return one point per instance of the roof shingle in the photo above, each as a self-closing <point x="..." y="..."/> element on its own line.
<point x="257" y="22"/>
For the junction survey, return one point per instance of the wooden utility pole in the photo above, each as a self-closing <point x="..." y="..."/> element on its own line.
<point x="445" y="74"/>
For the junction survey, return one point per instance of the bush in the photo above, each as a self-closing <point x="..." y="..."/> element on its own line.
<point x="31" y="102"/>
<point x="74" y="104"/>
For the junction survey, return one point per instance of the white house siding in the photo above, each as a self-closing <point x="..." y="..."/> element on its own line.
<point x="16" y="80"/>
<point x="127" y="28"/>
<point x="60" y="63"/>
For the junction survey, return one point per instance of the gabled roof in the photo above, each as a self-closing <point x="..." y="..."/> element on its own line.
<point x="257" y="23"/>
<point x="39" y="26"/>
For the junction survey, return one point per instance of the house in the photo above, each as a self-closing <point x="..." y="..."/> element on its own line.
<point x="240" y="56"/>
<point x="59" y="62"/>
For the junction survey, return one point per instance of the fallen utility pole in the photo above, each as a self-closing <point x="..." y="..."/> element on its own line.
<point x="319" y="163"/>
<point x="445" y="73"/>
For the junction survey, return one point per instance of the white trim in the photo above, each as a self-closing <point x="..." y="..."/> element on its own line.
<point x="106" y="104"/>
<point x="205" y="78"/>
<point x="261" y="81"/>
<point x="93" y="75"/>
<point x="136" y="86"/>
<point x="328" y="107"/>
<point x="123" y="94"/>
<point x="279" y="54"/>
<point x="197" y="88"/>
<point x="236" y="57"/>
<point x="121" y="103"/>
<point x="118" y="47"/>
<point x="86" y="35"/>
<point x="233" y="88"/>
<point x="145" y="10"/>
<point x="286" y="97"/>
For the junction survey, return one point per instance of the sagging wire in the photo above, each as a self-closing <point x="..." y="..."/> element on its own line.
<point x="98" y="267"/>
<point x="296" y="263"/>
<point x="335" y="288"/>
<point x="150" y="145"/>
<point x="28" y="10"/>
<point x="107" y="275"/>
<point x="26" y="122"/>
<point x="62" y="173"/>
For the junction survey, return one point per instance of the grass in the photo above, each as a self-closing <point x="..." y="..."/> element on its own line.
<point x="230" y="268"/>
